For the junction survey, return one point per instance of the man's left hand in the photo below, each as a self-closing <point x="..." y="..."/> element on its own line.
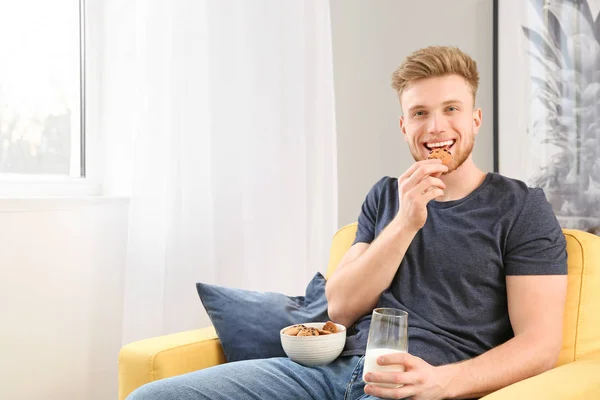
<point x="421" y="380"/>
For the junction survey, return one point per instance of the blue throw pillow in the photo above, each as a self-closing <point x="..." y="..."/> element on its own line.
<point x="248" y="323"/>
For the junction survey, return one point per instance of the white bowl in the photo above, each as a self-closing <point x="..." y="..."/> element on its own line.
<point x="312" y="351"/>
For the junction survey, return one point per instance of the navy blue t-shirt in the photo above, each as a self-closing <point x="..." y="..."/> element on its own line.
<point x="452" y="280"/>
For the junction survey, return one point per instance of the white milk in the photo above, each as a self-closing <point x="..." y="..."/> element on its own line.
<point x="372" y="366"/>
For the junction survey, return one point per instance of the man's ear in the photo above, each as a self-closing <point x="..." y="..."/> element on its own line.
<point x="403" y="127"/>
<point x="477" y="119"/>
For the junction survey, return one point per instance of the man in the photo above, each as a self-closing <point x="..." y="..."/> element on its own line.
<point x="477" y="260"/>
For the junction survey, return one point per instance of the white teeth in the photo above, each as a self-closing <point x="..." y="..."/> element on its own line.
<point x="440" y="144"/>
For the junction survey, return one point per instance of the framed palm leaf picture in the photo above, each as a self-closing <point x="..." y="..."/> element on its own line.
<point x="547" y="102"/>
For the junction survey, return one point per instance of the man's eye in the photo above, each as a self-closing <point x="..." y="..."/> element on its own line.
<point x="419" y="113"/>
<point x="452" y="108"/>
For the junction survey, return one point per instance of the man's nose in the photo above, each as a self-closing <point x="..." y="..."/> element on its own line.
<point x="437" y="124"/>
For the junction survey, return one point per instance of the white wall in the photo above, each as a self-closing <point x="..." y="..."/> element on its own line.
<point x="370" y="40"/>
<point x="61" y="297"/>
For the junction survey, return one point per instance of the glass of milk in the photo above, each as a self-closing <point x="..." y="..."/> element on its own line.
<point x="388" y="334"/>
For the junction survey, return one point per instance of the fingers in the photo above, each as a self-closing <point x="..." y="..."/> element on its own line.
<point x="427" y="184"/>
<point x="411" y="382"/>
<point x="432" y="194"/>
<point x="385" y="393"/>
<point x="401" y="358"/>
<point x="424" y="171"/>
<point x="394" y="378"/>
<point x="416" y="188"/>
<point x="429" y="188"/>
<point x="417" y="165"/>
<point x="406" y="183"/>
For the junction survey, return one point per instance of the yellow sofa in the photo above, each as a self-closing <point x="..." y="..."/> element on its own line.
<point x="576" y="375"/>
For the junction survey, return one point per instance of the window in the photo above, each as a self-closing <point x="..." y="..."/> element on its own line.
<point x="42" y="91"/>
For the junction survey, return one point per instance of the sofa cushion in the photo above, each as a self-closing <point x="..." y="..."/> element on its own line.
<point x="581" y="333"/>
<point x="248" y="322"/>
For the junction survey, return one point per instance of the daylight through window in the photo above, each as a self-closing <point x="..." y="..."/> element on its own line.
<point x="41" y="88"/>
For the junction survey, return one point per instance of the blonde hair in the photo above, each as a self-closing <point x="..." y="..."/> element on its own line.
<point x="435" y="61"/>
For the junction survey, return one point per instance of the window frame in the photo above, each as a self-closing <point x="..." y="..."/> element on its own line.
<point x="88" y="184"/>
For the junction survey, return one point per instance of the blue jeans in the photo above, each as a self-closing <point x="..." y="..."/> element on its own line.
<point x="273" y="378"/>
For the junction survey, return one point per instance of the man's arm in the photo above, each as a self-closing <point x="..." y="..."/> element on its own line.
<point x="366" y="270"/>
<point x="536" y="306"/>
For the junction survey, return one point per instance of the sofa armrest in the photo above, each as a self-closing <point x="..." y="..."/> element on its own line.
<point x="165" y="356"/>
<point x="575" y="380"/>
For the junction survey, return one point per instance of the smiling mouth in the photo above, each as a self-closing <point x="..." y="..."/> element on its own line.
<point x="446" y="145"/>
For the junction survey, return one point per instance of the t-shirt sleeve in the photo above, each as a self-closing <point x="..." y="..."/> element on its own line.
<point x="536" y="244"/>
<point x="368" y="214"/>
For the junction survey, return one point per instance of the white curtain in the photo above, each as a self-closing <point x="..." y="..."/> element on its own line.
<point x="234" y="166"/>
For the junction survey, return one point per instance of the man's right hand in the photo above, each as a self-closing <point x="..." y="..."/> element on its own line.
<point x="366" y="270"/>
<point x="416" y="187"/>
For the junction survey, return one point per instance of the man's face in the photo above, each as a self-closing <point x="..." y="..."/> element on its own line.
<point x="438" y="112"/>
